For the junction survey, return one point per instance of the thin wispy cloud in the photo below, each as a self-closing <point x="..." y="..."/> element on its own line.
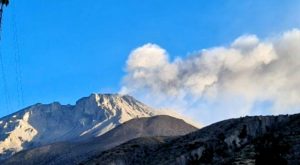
<point x="249" y="76"/>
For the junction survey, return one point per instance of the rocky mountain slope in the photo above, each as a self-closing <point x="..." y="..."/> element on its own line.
<point x="262" y="140"/>
<point x="43" y="124"/>
<point x="74" y="153"/>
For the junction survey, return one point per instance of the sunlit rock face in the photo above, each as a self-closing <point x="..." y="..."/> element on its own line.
<point x="47" y="123"/>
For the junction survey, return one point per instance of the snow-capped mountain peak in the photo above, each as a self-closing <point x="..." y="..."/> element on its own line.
<point x="91" y="116"/>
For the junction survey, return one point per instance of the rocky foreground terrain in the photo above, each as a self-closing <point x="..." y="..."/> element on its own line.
<point x="261" y="140"/>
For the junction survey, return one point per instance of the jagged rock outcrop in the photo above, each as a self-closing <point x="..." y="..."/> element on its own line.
<point x="249" y="140"/>
<point x="43" y="124"/>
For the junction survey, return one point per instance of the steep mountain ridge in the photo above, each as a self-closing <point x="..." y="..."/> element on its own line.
<point x="91" y="116"/>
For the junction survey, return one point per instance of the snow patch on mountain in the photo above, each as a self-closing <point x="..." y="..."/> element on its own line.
<point x="23" y="132"/>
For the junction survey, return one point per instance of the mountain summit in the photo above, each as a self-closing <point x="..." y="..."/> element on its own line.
<point x="91" y="116"/>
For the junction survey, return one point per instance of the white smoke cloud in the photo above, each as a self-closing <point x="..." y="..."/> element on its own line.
<point x="250" y="76"/>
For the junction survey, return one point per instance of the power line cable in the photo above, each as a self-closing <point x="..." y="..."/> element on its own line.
<point x="17" y="60"/>
<point x="2" y="66"/>
<point x="4" y="84"/>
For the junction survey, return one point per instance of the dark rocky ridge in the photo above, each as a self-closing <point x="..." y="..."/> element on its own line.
<point x="258" y="140"/>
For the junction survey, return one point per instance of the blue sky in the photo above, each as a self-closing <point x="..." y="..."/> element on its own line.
<point x="70" y="49"/>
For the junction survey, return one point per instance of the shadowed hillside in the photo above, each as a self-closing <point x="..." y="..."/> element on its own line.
<point x="262" y="140"/>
